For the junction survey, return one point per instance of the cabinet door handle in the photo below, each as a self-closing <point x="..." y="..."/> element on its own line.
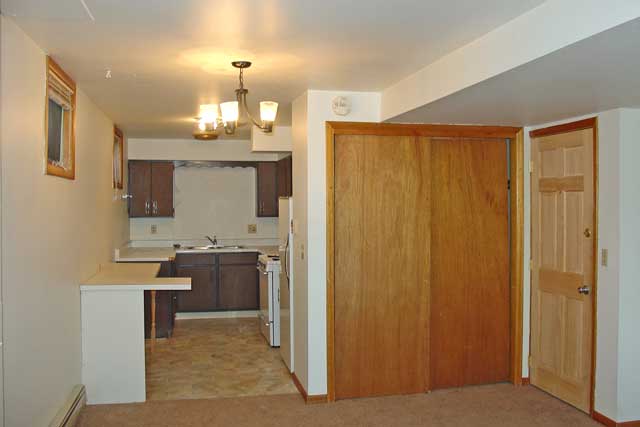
<point x="155" y="207"/>
<point x="146" y="207"/>
<point x="261" y="207"/>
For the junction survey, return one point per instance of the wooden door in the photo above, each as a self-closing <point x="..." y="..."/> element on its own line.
<point x="203" y="295"/>
<point x="267" y="189"/>
<point x="381" y="244"/>
<point x="162" y="189"/>
<point x="470" y="304"/>
<point x="139" y="188"/>
<point x="562" y="219"/>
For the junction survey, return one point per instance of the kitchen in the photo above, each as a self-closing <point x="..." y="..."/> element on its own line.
<point x="219" y="214"/>
<point x="465" y="219"/>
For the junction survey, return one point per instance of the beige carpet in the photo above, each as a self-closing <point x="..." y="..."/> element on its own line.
<point x="494" y="405"/>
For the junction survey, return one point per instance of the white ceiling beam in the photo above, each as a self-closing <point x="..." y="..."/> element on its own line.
<point x="551" y="26"/>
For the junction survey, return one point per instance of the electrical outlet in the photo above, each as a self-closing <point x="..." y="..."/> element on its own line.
<point x="252" y="229"/>
<point x="154" y="229"/>
<point x="604" y="260"/>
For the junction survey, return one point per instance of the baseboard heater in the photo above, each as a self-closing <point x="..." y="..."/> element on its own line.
<point x="70" y="411"/>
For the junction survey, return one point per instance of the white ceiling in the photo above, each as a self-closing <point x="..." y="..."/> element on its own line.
<point x="169" y="56"/>
<point x="593" y="75"/>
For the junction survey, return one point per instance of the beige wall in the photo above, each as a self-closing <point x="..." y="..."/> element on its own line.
<point x="210" y="201"/>
<point x="299" y="216"/>
<point x="55" y="232"/>
<point x="218" y="201"/>
<point x="191" y="149"/>
<point x="310" y="113"/>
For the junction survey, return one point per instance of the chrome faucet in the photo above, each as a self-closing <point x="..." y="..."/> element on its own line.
<point x="213" y="241"/>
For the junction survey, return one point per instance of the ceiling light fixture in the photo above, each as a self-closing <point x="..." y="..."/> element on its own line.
<point x="209" y="122"/>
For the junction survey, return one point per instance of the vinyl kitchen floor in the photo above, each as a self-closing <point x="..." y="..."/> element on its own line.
<point x="208" y="358"/>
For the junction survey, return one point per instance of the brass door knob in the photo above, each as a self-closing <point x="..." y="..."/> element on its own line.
<point x="587" y="233"/>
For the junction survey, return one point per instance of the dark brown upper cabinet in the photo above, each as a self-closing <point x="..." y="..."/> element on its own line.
<point x="139" y="188"/>
<point x="267" y="189"/>
<point x="151" y="188"/>
<point x="285" y="177"/>
<point x="162" y="189"/>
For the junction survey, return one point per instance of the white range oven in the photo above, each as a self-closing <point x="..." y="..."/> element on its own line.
<point x="269" y="314"/>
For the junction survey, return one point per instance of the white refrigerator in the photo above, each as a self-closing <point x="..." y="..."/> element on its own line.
<point x="285" y="249"/>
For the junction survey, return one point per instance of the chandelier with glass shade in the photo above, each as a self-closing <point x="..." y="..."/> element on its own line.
<point x="213" y="118"/>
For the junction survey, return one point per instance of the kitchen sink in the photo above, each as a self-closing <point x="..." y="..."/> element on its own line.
<point x="209" y="247"/>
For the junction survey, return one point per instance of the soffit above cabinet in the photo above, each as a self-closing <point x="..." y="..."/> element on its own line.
<point x="280" y="140"/>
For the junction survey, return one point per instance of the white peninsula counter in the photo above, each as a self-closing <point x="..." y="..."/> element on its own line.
<point x="112" y="310"/>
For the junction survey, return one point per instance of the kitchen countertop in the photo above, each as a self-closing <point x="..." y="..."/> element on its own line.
<point x="134" y="277"/>
<point x="128" y="254"/>
<point x="159" y="254"/>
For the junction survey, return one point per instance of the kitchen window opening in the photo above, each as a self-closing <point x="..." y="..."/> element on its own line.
<point x="60" y="122"/>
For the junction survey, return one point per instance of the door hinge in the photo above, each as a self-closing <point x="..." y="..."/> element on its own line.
<point x="531" y="264"/>
<point x="529" y="360"/>
<point x="530" y="166"/>
<point x="508" y="184"/>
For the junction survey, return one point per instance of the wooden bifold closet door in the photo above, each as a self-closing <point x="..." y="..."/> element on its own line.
<point x="421" y="264"/>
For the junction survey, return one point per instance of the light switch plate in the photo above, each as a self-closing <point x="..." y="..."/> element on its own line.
<point x="154" y="229"/>
<point x="252" y="229"/>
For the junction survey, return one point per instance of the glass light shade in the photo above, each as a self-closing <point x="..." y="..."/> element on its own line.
<point x="268" y="111"/>
<point x="229" y="111"/>
<point x="208" y="113"/>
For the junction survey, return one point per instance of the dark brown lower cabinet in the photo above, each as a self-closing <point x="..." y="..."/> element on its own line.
<point x="238" y="287"/>
<point x="165" y="307"/>
<point x="226" y="281"/>
<point x="203" y="295"/>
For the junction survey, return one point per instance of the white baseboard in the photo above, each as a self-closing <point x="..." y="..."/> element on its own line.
<point x="68" y="415"/>
<point x="217" y="315"/>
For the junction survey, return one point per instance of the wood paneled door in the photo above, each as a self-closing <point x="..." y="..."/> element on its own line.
<point x="382" y="205"/>
<point x="563" y="273"/>
<point x="470" y="298"/>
